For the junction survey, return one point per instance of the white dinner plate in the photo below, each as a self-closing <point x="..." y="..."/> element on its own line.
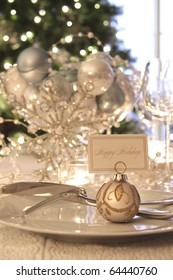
<point x="73" y="222"/>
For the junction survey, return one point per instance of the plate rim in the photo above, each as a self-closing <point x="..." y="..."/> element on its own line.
<point x="94" y="235"/>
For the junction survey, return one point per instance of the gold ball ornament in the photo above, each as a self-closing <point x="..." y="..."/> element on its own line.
<point x="117" y="200"/>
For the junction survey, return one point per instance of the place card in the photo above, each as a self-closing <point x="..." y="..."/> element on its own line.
<point x="104" y="151"/>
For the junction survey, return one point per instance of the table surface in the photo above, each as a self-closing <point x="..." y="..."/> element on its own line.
<point x="17" y="244"/>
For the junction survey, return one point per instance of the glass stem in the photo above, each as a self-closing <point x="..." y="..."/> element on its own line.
<point x="167" y="144"/>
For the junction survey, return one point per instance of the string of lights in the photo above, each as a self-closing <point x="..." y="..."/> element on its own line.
<point x="41" y="23"/>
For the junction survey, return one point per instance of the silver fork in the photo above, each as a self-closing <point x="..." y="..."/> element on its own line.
<point x="77" y="195"/>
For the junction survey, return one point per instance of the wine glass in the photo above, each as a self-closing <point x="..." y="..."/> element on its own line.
<point x="158" y="101"/>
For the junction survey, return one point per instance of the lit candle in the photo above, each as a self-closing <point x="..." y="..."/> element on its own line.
<point x="76" y="174"/>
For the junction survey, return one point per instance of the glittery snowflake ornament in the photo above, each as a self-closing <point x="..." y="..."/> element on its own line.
<point x="60" y="108"/>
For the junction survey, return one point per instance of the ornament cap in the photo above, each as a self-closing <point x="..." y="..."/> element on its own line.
<point x="120" y="168"/>
<point x="120" y="177"/>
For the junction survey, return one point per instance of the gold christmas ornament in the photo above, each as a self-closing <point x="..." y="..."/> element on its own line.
<point x="118" y="200"/>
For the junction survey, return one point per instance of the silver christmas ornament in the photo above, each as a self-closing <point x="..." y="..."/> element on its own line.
<point x="33" y="64"/>
<point x="58" y="85"/>
<point x="70" y="74"/>
<point x="95" y="76"/>
<point x="112" y="100"/>
<point x="61" y="57"/>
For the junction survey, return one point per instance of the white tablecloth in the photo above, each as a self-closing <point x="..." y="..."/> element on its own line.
<point x="21" y="245"/>
<point x="16" y="244"/>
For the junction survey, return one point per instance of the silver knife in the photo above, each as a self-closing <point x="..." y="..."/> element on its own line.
<point x="45" y="189"/>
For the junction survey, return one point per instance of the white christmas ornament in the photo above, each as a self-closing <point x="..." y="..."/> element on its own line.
<point x="118" y="200"/>
<point x="95" y="76"/>
<point x="33" y="64"/>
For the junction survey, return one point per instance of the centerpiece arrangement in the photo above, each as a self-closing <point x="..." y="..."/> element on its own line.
<point x="60" y="106"/>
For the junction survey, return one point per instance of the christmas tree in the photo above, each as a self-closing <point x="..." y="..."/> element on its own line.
<point x="35" y="22"/>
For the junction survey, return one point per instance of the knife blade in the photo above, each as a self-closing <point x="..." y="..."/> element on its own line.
<point x="45" y="189"/>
